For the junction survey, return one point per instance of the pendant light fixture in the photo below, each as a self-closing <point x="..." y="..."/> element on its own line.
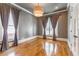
<point x="38" y="10"/>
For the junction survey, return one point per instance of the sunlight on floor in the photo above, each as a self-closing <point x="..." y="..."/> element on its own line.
<point x="49" y="48"/>
<point x="11" y="54"/>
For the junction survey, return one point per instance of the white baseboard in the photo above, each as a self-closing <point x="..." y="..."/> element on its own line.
<point x="69" y="44"/>
<point x="60" y="39"/>
<point x="27" y="39"/>
<point x="70" y="48"/>
<point x="31" y="38"/>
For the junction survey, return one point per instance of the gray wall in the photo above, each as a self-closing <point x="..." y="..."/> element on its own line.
<point x="39" y="27"/>
<point x="30" y="26"/>
<point x="62" y="26"/>
<point x="27" y="25"/>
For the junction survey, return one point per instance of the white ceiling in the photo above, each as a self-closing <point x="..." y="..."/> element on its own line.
<point x="48" y="7"/>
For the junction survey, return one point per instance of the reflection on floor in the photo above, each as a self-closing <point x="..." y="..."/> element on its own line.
<point x="39" y="47"/>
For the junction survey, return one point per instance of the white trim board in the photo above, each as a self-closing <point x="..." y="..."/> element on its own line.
<point x="70" y="47"/>
<point x="21" y="8"/>
<point x="31" y="38"/>
<point x="61" y="39"/>
<point x="27" y="39"/>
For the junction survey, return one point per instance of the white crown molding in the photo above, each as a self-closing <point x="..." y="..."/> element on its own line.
<point x="32" y="13"/>
<point x="55" y="12"/>
<point x="21" y="8"/>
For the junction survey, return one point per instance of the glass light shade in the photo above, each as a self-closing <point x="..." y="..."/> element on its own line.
<point x="38" y="10"/>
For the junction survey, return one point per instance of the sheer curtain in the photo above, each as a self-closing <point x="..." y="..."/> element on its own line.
<point x="5" y="9"/>
<point x="15" y="14"/>
<point x="54" y="19"/>
<point x="44" y="22"/>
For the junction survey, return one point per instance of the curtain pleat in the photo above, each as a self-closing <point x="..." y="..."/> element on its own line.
<point x="4" y="11"/>
<point x="15" y="14"/>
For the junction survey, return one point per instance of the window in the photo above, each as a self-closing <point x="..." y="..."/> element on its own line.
<point x="49" y="30"/>
<point x="11" y="29"/>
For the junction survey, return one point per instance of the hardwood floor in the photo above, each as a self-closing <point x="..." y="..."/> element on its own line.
<point x="39" y="47"/>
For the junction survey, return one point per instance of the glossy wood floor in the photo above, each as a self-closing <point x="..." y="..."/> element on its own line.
<point x="39" y="47"/>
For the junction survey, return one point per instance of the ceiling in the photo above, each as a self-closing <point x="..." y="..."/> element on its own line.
<point x="48" y="7"/>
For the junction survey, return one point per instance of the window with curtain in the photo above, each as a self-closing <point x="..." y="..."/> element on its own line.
<point x="11" y="29"/>
<point x="49" y="30"/>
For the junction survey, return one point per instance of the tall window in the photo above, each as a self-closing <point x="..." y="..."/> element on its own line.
<point x="11" y="29"/>
<point x="49" y="30"/>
